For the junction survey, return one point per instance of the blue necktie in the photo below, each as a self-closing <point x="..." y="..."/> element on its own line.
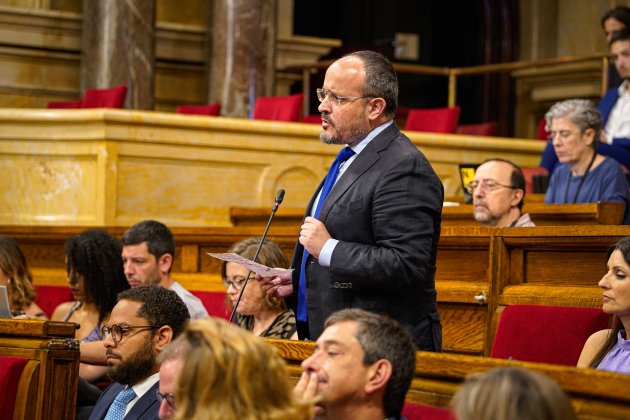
<point x="344" y="154"/>
<point x="119" y="406"/>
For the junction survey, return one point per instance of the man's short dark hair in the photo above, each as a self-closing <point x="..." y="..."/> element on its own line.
<point x="380" y="79"/>
<point x="158" y="237"/>
<point x="622" y="35"/>
<point x="381" y="337"/>
<point x="160" y="307"/>
<point x="517" y="178"/>
<point x="620" y="13"/>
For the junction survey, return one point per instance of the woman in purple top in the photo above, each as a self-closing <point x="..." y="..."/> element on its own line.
<point x="610" y="349"/>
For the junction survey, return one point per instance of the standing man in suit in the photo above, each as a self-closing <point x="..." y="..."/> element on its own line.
<point x="142" y="323"/>
<point x="370" y="236"/>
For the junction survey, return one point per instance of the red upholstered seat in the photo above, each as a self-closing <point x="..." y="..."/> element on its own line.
<point x="279" y="108"/>
<point x="529" y="172"/>
<point x="209" y="109"/>
<point x="66" y="104"/>
<point x="541" y="133"/>
<point x="435" y="120"/>
<point x="49" y="297"/>
<point x="214" y="302"/>
<point x="313" y="119"/>
<point x="105" y="98"/>
<point x="547" y="334"/>
<point x="11" y="369"/>
<point x="483" y="129"/>
<point x="413" y="411"/>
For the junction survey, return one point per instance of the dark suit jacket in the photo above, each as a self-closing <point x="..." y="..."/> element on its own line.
<point x="386" y="211"/>
<point x="146" y="408"/>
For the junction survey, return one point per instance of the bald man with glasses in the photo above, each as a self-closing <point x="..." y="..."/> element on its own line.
<point x="498" y="190"/>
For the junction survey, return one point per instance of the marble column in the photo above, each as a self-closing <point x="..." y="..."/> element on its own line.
<point x="242" y="42"/>
<point x="118" y="48"/>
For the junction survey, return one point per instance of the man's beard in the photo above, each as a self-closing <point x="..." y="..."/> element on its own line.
<point x="353" y="131"/>
<point x="134" y="369"/>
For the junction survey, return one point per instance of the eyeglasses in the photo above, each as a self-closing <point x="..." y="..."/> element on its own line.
<point x="486" y="185"/>
<point x="236" y="282"/>
<point x="169" y="397"/>
<point x="322" y="94"/>
<point x="119" y="331"/>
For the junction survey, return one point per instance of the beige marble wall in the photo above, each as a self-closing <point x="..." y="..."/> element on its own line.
<point x="116" y="167"/>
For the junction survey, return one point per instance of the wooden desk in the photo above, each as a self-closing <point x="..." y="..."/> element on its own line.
<point x="56" y="353"/>
<point x="594" y="394"/>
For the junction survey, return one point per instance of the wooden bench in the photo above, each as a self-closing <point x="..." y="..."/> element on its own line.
<point x="594" y="394"/>
<point x="478" y="269"/>
<point x="602" y="213"/>
<point x="48" y="384"/>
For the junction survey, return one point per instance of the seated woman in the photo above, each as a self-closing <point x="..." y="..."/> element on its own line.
<point x="583" y="176"/>
<point x="263" y="315"/>
<point x="96" y="276"/>
<point x="230" y="374"/>
<point x="511" y="393"/>
<point x="15" y="275"/>
<point x="610" y="349"/>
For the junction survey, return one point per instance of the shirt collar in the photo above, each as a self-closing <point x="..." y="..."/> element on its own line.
<point x="144" y="385"/>
<point x="357" y="148"/>
<point x="621" y="90"/>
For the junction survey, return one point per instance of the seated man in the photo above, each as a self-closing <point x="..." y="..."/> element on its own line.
<point x="498" y="191"/>
<point x="615" y="109"/>
<point x="142" y="323"/>
<point x="361" y="369"/>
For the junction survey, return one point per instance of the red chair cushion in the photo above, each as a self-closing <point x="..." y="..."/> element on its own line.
<point x="546" y="334"/>
<point x="484" y="129"/>
<point x="436" y="120"/>
<point x="541" y="133"/>
<point x="66" y="104"/>
<point x="279" y="108"/>
<point x="313" y="119"/>
<point x="11" y="369"/>
<point x="413" y="411"/>
<point x="49" y="297"/>
<point x="210" y="109"/>
<point x="105" y="98"/>
<point x="214" y="302"/>
<point x="528" y="173"/>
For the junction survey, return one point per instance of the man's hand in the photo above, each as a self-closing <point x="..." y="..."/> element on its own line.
<point x="278" y="286"/>
<point x="306" y="388"/>
<point x="313" y="235"/>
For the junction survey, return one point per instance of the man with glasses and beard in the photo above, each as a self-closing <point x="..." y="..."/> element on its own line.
<point x="142" y="323"/>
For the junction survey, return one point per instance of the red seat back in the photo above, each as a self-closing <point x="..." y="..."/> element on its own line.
<point x="484" y="129"/>
<point x="105" y="98"/>
<point x="11" y="369"/>
<point x="414" y="411"/>
<point x="528" y="173"/>
<point x="66" y="104"/>
<point x="436" y="120"/>
<point x="541" y="132"/>
<point x="313" y="119"/>
<point x="279" y="108"/>
<point x="214" y="302"/>
<point x="49" y="297"/>
<point x="546" y="334"/>
<point x="210" y="109"/>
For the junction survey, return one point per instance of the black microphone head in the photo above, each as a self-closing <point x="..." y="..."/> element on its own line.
<point x="279" y="196"/>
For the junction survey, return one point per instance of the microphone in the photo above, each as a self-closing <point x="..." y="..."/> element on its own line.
<point x="276" y="204"/>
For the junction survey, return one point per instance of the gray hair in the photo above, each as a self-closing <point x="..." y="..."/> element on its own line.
<point x="580" y="112"/>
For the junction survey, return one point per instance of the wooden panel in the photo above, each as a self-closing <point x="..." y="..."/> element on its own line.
<point x="586" y="267"/>
<point x="463" y="327"/>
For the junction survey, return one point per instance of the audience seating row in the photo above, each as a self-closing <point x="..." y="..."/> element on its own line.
<point x="479" y="270"/>
<point x="96" y="98"/>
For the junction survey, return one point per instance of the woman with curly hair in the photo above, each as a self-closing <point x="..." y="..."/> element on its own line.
<point x="228" y="373"/>
<point x="15" y="275"/>
<point x="264" y="315"/>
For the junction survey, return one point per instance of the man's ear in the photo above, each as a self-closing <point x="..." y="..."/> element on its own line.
<point x="517" y="196"/>
<point x="378" y="376"/>
<point x="165" y="263"/>
<point x="376" y="108"/>
<point x="163" y="337"/>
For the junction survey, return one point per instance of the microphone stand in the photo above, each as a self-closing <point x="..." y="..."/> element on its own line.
<point x="276" y="204"/>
